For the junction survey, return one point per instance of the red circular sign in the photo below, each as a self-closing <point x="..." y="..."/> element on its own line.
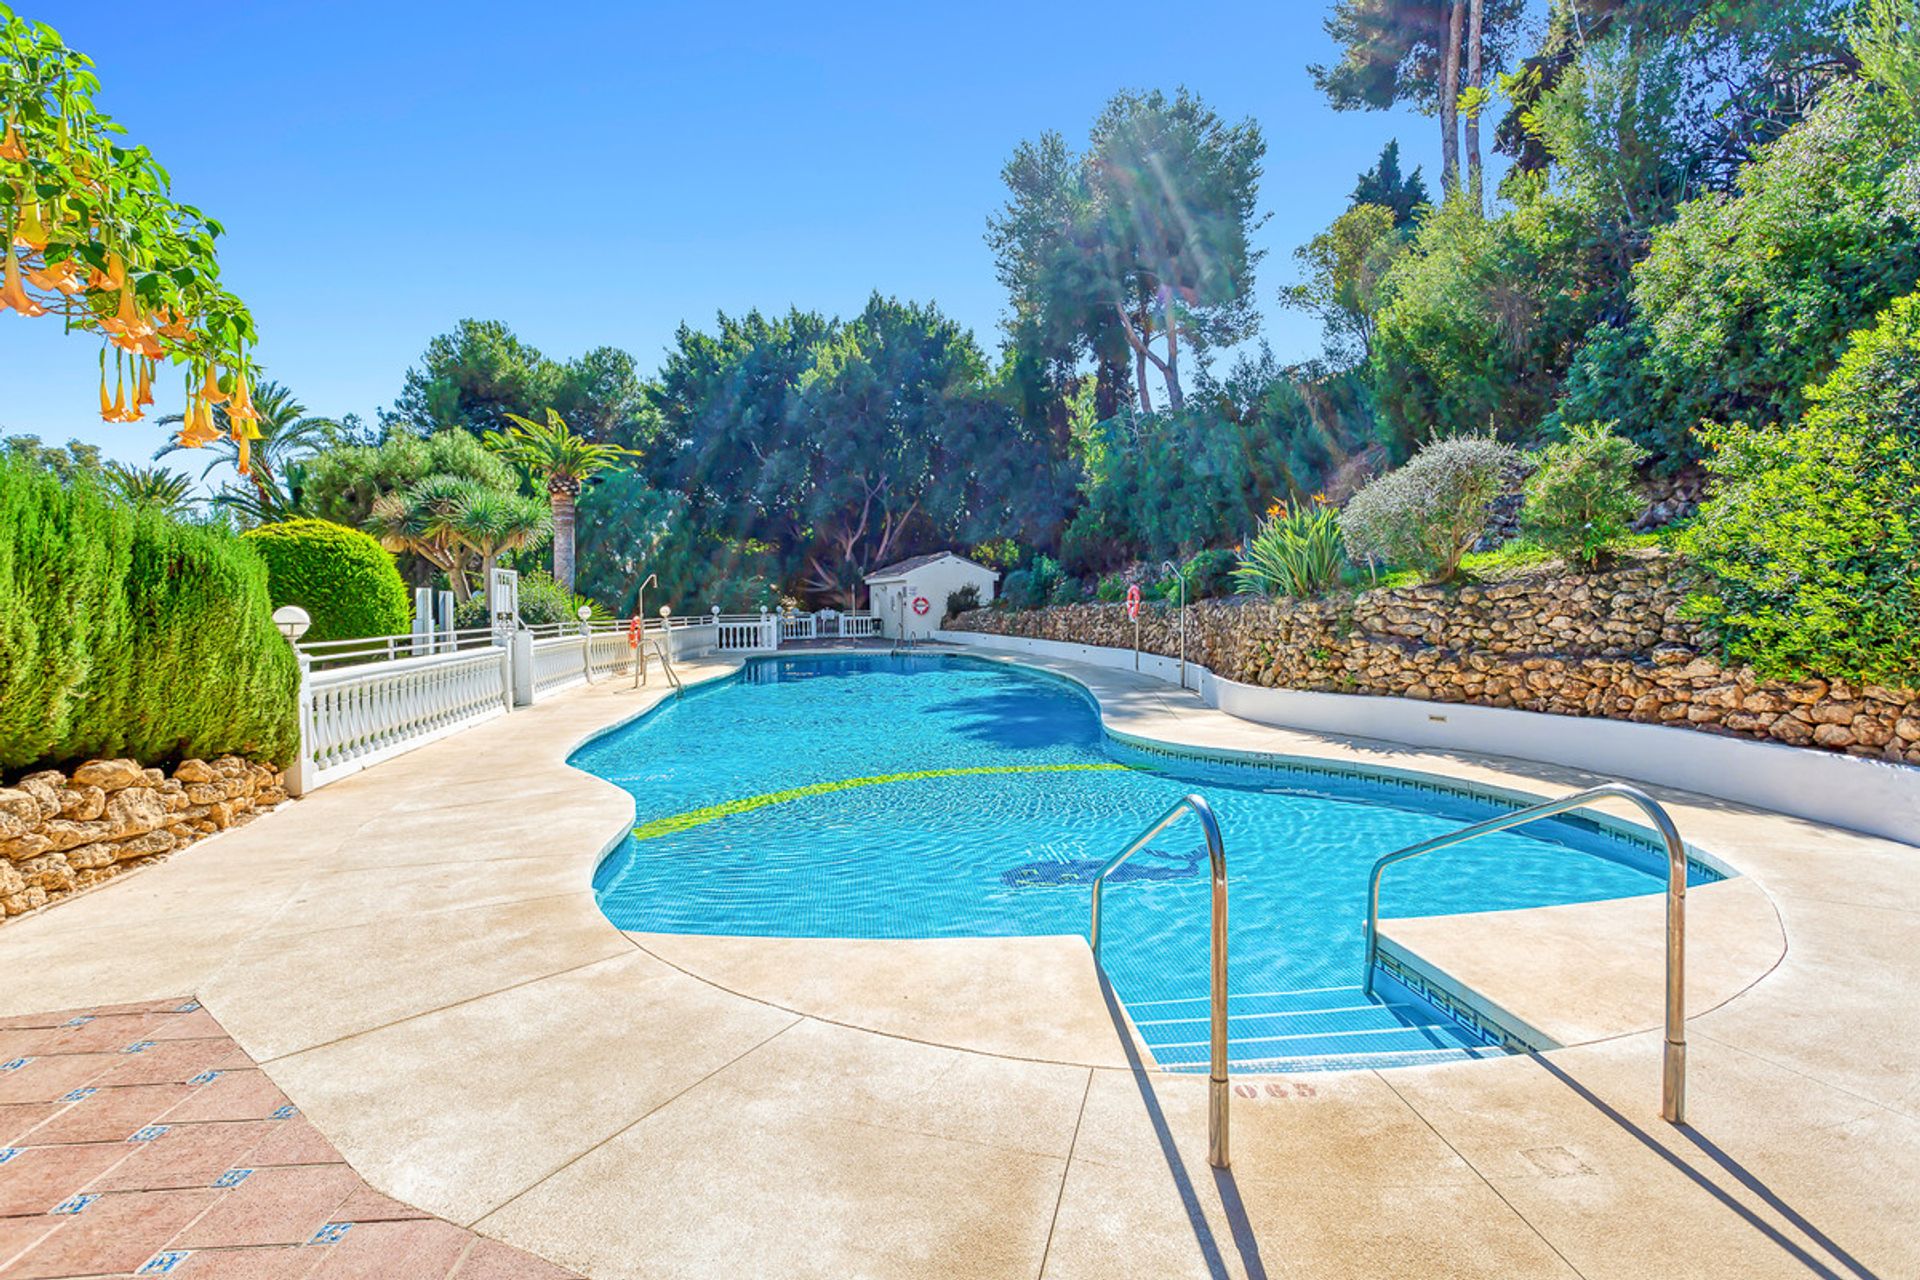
<point x="1133" y="602"/>
<point x="920" y="605"/>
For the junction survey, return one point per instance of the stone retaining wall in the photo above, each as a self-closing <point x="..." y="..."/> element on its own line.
<point x="60" y="833"/>
<point x="1608" y="644"/>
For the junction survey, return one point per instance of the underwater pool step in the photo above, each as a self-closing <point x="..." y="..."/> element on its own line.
<point x="1325" y="1029"/>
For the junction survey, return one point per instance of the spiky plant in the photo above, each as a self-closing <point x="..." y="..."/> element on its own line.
<point x="156" y="487"/>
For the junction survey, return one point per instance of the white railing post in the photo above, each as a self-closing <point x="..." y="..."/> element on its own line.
<point x="299" y="778"/>
<point x="506" y="677"/>
<point x="523" y="673"/>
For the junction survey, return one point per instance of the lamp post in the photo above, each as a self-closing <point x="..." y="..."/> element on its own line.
<point x="1182" y="578"/>
<point x="292" y="622"/>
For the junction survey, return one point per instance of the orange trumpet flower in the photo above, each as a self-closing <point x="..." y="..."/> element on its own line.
<point x="29" y="232"/>
<point x="11" y="148"/>
<point x="143" y="395"/>
<point x="240" y="408"/>
<point x="106" y="405"/>
<point x="211" y="392"/>
<point x="13" y="293"/>
<point x="62" y="276"/>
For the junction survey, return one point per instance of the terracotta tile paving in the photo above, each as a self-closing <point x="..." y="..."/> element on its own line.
<point x="139" y="1140"/>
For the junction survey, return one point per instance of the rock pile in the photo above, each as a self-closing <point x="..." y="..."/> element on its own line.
<point x="63" y="832"/>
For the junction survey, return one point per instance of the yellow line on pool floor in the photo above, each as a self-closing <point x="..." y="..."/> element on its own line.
<point x="713" y="812"/>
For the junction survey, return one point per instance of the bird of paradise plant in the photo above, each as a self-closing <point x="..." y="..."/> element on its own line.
<point x="93" y="235"/>
<point x="562" y="460"/>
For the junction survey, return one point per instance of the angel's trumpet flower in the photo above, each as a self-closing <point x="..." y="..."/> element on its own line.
<point x="198" y="429"/>
<point x="244" y="463"/>
<point x="150" y="347"/>
<point x="62" y="276"/>
<point x="106" y="405"/>
<point x="13" y="292"/>
<point x="240" y="408"/>
<point x="29" y="232"/>
<point x="117" y="411"/>
<point x="177" y="327"/>
<point x="11" y="148"/>
<point x="143" y="394"/>
<point x="210" y="392"/>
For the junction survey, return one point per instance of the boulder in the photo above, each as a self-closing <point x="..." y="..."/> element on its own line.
<point x="109" y="775"/>
<point x="194" y="770"/>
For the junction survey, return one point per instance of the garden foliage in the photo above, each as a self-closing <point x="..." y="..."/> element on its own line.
<point x="1297" y="551"/>
<point x="1581" y="499"/>
<point x="343" y="578"/>
<point x="125" y="632"/>
<point x="1429" y="513"/>
<point x="1809" y="547"/>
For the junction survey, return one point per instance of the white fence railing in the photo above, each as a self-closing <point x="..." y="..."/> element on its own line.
<point x="362" y="701"/>
<point x="356" y="716"/>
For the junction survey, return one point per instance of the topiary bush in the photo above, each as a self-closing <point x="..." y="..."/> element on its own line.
<point x="1428" y="514"/>
<point x="126" y="632"/>
<point x="342" y="577"/>
<point x="1581" y="500"/>
<point x="1808" y="546"/>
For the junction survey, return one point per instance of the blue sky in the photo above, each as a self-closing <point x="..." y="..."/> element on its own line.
<point x="597" y="173"/>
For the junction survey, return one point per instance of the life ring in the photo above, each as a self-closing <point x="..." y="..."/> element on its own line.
<point x="920" y="606"/>
<point x="633" y="632"/>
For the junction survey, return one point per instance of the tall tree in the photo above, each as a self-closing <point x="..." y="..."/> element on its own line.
<point x="562" y="460"/>
<point x="1383" y="185"/>
<point x="1174" y="192"/>
<point x="473" y="378"/>
<point x="1431" y="54"/>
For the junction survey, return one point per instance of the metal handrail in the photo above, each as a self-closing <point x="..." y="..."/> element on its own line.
<point x="1673" y="1073"/>
<point x="1195" y="804"/>
<point x="666" y="665"/>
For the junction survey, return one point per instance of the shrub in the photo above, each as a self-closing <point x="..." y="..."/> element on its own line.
<point x="1429" y="513"/>
<point x="1017" y="590"/>
<point x="342" y="577"/>
<point x="1111" y="590"/>
<point x="542" y="601"/>
<point x="1297" y="551"/>
<point x="1210" y="573"/>
<point x="1809" y="544"/>
<point x="965" y="599"/>
<point x="1581" y="499"/>
<point x="126" y="632"/>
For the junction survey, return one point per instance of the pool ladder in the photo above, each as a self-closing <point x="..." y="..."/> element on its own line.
<point x="666" y="665"/>
<point x="1673" y="1074"/>
<point x="1196" y="804"/>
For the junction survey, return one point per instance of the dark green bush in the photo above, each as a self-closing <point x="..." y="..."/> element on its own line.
<point x="342" y="577"/>
<point x="962" y="600"/>
<point x="127" y="633"/>
<point x="1809" y="544"/>
<point x="1581" y="500"/>
<point x="1016" y="591"/>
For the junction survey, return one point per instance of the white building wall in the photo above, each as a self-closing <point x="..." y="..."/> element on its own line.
<point x="936" y="582"/>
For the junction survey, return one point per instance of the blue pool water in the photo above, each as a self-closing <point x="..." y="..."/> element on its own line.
<point x="772" y="804"/>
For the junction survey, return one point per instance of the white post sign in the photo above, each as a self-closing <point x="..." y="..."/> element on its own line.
<point x="503" y="604"/>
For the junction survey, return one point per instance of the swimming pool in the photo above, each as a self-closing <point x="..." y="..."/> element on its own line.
<point x="931" y="796"/>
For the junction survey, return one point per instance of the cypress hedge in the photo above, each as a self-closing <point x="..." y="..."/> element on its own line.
<point x="126" y="633"/>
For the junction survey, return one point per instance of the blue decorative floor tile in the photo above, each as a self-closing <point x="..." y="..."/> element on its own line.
<point x="283" y="1113"/>
<point x="331" y="1233"/>
<point x="205" y="1077"/>
<point x="233" y="1177"/>
<point x="74" y="1204"/>
<point x="138" y="1046"/>
<point x="149" y="1133"/>
<point x="8" y="1153"/>
<point x="188" y="1007"/>
<point x="77" y="1094"/>
<point x="14" y="1064"/>
<point x="80" y="1021"/>
<point x="161" y="1263"/>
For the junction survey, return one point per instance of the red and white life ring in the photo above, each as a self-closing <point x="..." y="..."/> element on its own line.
<point x="633" y="632"/>
<point x="1133" y="603"/>
<point x="920" y="606"/>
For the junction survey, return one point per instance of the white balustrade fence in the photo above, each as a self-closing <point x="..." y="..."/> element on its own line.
<point x="356" y="716"/>
<point x="362" y="701"/>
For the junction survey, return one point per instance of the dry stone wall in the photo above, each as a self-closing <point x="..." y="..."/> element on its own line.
<point x="62" y="832"/>
<point x="1610" y="644"/>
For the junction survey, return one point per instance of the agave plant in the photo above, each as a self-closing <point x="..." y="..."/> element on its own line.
<point x="1297" y="551"/>
<point x="563" y="460"/>
<point x="155" y="487"/>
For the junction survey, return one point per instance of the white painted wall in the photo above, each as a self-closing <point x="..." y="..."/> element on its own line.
<point x="1844" y="791"/>
<point x="936" y="582"/>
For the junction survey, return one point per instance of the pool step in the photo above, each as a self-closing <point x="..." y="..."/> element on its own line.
<point x="1320" y="1029"/>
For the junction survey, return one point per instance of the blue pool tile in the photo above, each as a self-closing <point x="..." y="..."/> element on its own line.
<point x="149" y="1133"/>
<point x="233" y="1177"/>
<point x="283" y="1113"/>
<point x="14" y="1064"/>
<point x="76" y="1095"/>
<point x="8" y="1153"/>
<point x="138" y="1046"/>
<point x="205" y="1077"/>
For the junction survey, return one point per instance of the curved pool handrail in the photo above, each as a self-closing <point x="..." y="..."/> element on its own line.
<point x="1197" y="805"/>
<point x="1673" y="1074"/>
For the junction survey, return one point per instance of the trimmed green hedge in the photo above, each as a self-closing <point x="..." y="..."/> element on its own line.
<point x="342" y="577"/>
<point x="123" y="632"/>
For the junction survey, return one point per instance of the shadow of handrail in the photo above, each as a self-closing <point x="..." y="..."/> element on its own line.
<point x="1244" y="1241"/>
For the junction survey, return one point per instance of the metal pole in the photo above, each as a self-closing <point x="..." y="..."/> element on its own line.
<point x="1182" y="579"/>
<point x="1217" y="1080"/>
<point x="1673" y="1062"/>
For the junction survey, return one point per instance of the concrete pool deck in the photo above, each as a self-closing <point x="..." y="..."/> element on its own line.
<point x="414" y="956"/>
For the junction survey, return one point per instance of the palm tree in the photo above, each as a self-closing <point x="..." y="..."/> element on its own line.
<point x="157" y="487"/>
<point x="287" y="432"/>
<point x="490" y="523"/>
<point x="419" y="519"/>
<point x="555" y="455"/>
